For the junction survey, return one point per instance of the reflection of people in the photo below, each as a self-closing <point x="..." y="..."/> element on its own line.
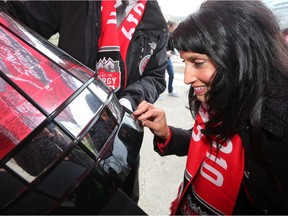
<point x="41" y="151"/>
<point x="102" y="129"/>
<point x="170" y="52"/>
<point x="236" y="64"/>
<point x="78" y="25"/>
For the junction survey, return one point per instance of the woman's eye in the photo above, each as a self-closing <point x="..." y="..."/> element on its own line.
<point x="199" y="64"/>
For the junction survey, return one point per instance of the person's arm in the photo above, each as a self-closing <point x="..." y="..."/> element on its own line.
<point x="279" y="165"/>
<point x="152" y="81"/>
<point x="168" y="140"/>
<point x="177" y="143"/>
<point x="170" y="44"/>
<point x="41" y="16"/>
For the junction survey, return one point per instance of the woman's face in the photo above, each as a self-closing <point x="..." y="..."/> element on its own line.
<point x="199" y="70"/>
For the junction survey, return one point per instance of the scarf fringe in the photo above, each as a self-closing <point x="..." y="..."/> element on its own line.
<point x="174" y="206"/>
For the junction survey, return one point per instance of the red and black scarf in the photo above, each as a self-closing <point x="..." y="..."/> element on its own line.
<point x="114" y="43"/>
<point x="214" y="178"/>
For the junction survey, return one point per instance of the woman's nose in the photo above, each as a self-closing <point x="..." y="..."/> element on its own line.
<point x="189" y="76"/>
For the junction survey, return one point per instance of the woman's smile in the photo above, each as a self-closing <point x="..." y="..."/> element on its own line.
<point x="199" y="71"/>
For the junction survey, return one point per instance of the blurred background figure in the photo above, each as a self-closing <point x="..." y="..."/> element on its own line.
<point x="171" y="25"/>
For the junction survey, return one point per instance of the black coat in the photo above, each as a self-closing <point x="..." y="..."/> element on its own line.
<point x="266" y="177"/>
<point x="170" y="44"/>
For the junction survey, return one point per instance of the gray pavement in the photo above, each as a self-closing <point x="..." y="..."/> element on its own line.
<point x="160" y="176"/>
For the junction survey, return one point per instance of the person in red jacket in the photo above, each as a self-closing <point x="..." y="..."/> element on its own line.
<point x="236" y="65"/>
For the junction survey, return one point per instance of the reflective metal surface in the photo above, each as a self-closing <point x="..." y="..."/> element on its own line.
<point x="66" y="144"/>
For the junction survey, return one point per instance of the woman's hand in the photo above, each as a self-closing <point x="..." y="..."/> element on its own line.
<point x="154" y="118"/>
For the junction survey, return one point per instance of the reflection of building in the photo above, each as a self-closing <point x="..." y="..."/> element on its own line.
<point x="280" y="9"/>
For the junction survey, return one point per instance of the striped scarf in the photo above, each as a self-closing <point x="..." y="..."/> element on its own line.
<point x="114" y="43"/>
<point x="213" y="178"/>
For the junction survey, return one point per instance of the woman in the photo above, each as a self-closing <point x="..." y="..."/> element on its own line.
<point x="236" y="63"/>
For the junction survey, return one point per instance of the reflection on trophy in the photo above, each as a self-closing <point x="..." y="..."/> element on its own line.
<point x="66" y="141"/>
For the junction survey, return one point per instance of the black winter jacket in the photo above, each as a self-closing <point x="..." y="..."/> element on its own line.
<point x="170" y="44"/>
<point x="265" y="178"/>
<point x="78" y="24"/>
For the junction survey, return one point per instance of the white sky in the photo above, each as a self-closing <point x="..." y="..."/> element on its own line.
<point x="179" y="7"/>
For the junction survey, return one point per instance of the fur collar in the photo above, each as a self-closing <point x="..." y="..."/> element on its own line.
<point x="275" y="109"/>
